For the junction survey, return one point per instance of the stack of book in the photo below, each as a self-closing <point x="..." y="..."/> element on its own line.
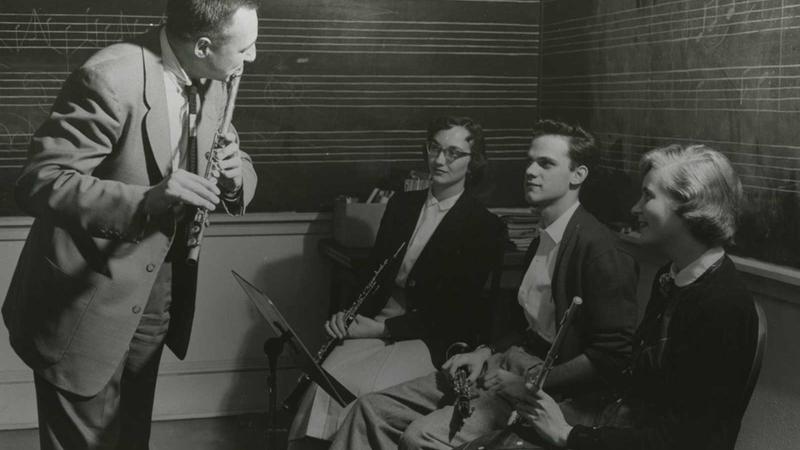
<point x="522" y="225"/>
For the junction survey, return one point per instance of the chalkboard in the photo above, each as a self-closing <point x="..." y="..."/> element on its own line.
<point x="726" y="73"/>
<point x="339" y="95"/>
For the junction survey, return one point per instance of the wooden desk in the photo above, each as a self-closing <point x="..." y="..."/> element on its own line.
<point x="348" y="262"/>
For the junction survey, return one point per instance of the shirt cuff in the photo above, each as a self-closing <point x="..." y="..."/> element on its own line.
<point x="582" y="437"/>
<point x="232" y="196"/>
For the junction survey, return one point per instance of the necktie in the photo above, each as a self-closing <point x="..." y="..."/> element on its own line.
<point x="666" y="284"/>
<point x="191" y="126"/>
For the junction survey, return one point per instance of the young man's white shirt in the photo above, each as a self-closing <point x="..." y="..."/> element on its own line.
<point x="535" y="294"/>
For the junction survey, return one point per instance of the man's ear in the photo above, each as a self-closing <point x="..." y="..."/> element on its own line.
<point x="202" y="47"/>
<point x="578" y="175"/>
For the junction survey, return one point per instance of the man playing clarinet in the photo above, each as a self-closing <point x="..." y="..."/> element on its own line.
<point x="103" y="282"/>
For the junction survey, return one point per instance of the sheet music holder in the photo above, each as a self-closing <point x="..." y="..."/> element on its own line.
<point x="304" y="359"/>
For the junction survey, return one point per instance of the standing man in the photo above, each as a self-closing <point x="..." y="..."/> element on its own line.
<point x="575" y="255"/>
<point x="102" y="282"/>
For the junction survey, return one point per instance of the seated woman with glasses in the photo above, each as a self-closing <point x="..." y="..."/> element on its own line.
<point x="686" y="385"/>
<point x="432" y="296"/>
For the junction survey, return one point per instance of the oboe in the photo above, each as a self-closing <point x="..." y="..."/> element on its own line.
<point x="293" y="399"/>
<point x="535" y="381"/>
<point x="194" y="234"/>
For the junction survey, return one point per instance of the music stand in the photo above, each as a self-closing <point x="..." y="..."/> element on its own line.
<point x="305" y="361"/>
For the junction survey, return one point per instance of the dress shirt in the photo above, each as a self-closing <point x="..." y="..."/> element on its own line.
<point x="175" y="82"/>
<point x="433" y="211"/>
<point x="535" y="293"/>
<point x="699" y="266"/>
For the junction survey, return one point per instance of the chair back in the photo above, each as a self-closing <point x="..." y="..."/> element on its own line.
<point x="758" y="357"/>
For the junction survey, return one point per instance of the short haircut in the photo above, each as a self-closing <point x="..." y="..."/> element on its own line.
<point x="191" y="19"/>
<point x="704" y="187"/>
<point x="582" y="146"/>
<point x="477" y="144"/>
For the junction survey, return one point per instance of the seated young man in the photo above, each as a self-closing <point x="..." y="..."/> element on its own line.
<point x="686" y="380"/>
<point x="574" y="256"/>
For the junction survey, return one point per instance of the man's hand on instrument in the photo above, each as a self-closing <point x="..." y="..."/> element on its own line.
<point x="361" y="327"/>
<point x="506" y="384"/>
<point x="229" y="174"/>
<point x="544" y="414"/>
<point x="473" y="361"/>
<point x="181" y="188"/>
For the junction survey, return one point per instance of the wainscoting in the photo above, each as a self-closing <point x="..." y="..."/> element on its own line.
<point x="225" y="370"/>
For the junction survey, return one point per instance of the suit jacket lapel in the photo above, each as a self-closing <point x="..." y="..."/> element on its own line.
<point x="407" y="219"/>
<point x="531" y="252"/>
<point x="568" y="242"/>
<point x="156" y="102"/>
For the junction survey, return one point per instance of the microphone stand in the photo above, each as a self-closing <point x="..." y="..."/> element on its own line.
<point x="273" y="347"/>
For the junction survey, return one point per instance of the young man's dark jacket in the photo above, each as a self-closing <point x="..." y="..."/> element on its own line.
<point x="590" y="265"/>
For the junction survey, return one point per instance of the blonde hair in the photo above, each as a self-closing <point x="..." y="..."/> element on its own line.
<point x="704" y="187"/>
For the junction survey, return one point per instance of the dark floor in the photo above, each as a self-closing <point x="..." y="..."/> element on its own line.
<point x="245" y="432"/>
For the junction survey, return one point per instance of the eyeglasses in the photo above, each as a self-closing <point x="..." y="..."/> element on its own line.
<point x="450" y="153"/>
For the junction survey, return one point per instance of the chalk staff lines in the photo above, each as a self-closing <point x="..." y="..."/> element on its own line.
<point x="320" y="146"/>
<point x="68" y="33"/>
<point x="743" y="19"/>
<point x="262" y="92"/>
<point x="764" y="88"/>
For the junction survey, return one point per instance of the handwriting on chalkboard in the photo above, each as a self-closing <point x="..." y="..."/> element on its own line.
<point x="68" y="33"/>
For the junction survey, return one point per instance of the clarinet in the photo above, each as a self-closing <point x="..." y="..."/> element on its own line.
<point x="462" y="389"/>
<point x="535" y="382"/>
<point x="293" y="399"/>
<point x="200" y="220"/>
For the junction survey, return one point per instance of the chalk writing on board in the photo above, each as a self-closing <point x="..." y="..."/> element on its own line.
<point x="66" y="34"/>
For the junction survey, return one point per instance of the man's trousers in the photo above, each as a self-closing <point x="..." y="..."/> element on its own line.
<point x="119" y="416"/>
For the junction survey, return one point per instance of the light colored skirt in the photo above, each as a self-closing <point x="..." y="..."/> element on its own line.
<point x="362" y="366"/>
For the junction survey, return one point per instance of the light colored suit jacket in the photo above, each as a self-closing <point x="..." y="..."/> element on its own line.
<point x="92" y="256"/>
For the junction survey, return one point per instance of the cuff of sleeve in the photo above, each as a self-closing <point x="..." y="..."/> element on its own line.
<point x="232" y="195"/>
<point x="142" y="221"/>
<point x="392" y="327"/>
<point x="583" y="437"/>
<point x="403" y="327"/>
<point x="233" y="202"/>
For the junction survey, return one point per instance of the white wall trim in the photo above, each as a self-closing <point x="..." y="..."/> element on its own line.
<point x="252" y="224"/>
<point x="316" y="223"/>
